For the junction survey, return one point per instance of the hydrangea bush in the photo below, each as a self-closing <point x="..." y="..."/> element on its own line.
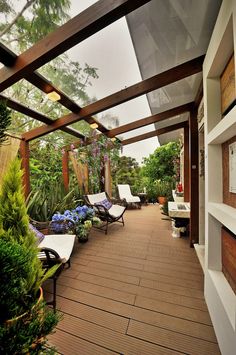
<point x="82" y="218"/>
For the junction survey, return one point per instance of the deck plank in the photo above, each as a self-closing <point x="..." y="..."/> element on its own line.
<point x="134" y="291"/>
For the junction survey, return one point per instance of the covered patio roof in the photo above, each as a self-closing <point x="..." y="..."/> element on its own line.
<point x="170" y="49"/>
<point x="170" y="45"/>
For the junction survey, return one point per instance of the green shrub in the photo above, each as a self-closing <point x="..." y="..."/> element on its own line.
<point x="21" y="274"/>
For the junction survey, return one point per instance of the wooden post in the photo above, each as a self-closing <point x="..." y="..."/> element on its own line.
<point x="194" y="187"/>
<point x="25" y="153"/>
<point x="186" y="163"/>
<point x="108" y="180"/>
<point x="65" y="169"/>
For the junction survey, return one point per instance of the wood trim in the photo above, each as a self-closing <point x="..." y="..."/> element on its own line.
<point x="151" y="119"/>
<point x="170" y="76"/>
<point x="90" y="21"/>
<point x="158" y="132"/>
<point x="46" y="86"/>
<point x="229" y="198"/>
<point x="199" y="95"/>
<point x="16" y="106"/>
<point x="7" y="57"/>
<point x="186" y="163"/>
<point x="25" y="155"/>
<point x="194" y="178"/>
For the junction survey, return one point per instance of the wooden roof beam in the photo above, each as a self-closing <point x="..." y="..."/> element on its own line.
<point x="37" y="116"/>
<point x="151" y="119"/>
<point x="8" y="58"/>
<point x="157" y="81"/>
<point x="157" y="132"/>
<point x="90" y="21"/>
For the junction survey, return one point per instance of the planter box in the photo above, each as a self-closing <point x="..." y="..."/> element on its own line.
<point x="227" y="84"/>
<point x="229" y="257"/>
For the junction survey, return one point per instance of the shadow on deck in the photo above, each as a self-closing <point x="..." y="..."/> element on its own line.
<point x="135" y="291"/>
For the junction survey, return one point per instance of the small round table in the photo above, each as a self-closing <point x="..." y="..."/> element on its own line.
<point x="143" y="198"/>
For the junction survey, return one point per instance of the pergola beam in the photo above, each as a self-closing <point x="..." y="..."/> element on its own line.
<point x="151" y="119"/>
<point x="16" y="106"/>
<point x="82" y="26"/>
<point x="157" y="132"/>
<point x="157" y="81"/>
<point x="8" y="58"/>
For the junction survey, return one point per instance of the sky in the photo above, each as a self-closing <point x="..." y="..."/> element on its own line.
<point x="111" y="51"/>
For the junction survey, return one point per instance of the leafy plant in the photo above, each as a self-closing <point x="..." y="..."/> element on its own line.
<point x="43" y="204"/>
<point x="127" y="171"/>
<point x="21" y="271"/>
<point x="163" y="164"/>
<point x="95" y="155"/>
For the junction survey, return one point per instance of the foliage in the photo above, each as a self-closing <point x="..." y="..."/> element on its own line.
<point x="45" y="167"/>
<point x="5" y="120"/>
<point x="21" y="268"/>
<point x="164" y="188"/>
<point x="43" y="204"/>
<point x="82" y="217"/>
<point x="95" y="155"/>
<point x="29" y="332"/>
<point x="21" y="30"/>
<point x="127" y="171"/>
<point x="163" y="164"/>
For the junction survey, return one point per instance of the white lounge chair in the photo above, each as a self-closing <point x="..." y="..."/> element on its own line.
<point x="125" y="193"/>
<point x="56" y="249"/>
<point x="105" y="210"/>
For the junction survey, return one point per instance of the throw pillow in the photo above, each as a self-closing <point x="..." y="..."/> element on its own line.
<point x="107" y="204"/>
<point x="38" y="235"/>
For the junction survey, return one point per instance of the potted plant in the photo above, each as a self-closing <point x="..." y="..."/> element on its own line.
<point x="164" y="190"/>
<point x="82" y="219"/>
<point x="24" y="319"/>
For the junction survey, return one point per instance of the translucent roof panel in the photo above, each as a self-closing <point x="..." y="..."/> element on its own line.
<point x="169" y="32"/>
<point x="176" y="94"/>
<point x="166" y="33"/>
<point x="110" y="52"/>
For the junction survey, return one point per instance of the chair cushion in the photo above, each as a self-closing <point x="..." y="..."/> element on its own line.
<point x="116" y="210"/>
<point x="131" y="199"/>
<point x="62" y="243"/>
<point x="105" y="203"/>
<point x="38" y="235"/>
<point x="95" y="198"/>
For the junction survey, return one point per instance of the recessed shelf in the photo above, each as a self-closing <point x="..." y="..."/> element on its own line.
<point x="224" y="130"/>
<point x="225" y="214"/>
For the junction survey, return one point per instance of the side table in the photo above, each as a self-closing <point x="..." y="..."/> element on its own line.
<point x="143" y="198"/>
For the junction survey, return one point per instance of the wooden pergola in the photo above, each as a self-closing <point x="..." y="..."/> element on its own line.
<point x="79" y="28"/>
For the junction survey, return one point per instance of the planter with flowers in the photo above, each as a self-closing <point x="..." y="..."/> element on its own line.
<point x="79" y="221"/>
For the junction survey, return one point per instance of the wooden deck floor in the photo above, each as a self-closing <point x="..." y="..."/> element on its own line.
<point x="135" y="291"/>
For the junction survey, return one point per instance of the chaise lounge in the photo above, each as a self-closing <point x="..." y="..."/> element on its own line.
<point x="105" y="210"/>
<point x="125" y="194"/>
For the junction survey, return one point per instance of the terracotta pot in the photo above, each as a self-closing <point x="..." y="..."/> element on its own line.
<point x="162" y="200"/>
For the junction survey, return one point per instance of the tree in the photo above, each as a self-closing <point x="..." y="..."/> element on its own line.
<point x="163" y="163"/>
<point x="33" y="21"/>
<point x="127" y="171"/>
